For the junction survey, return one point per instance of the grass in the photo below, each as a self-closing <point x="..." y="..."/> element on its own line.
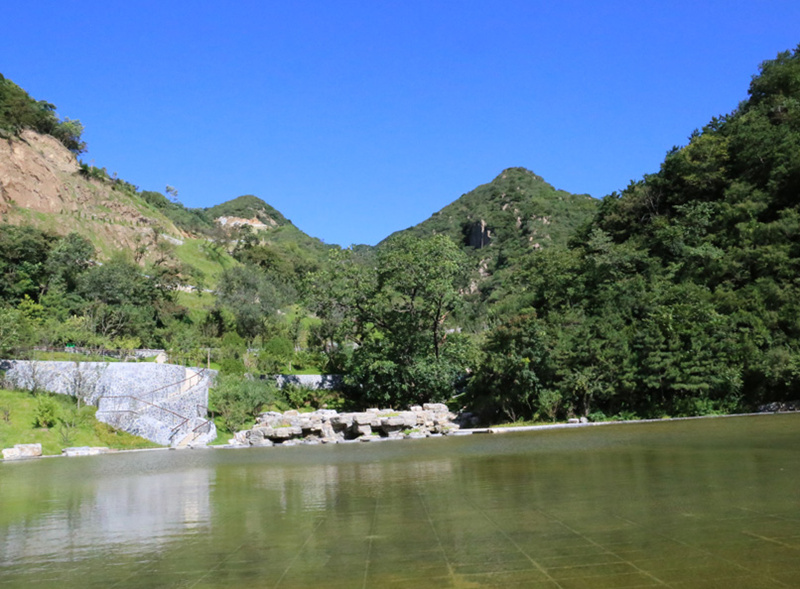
<point x="191" y="252"/>
<point x="525" y="423"/>
<point x="223" y="433"/>
<point x="197" y="302"/>
<point x="20" y="428"/>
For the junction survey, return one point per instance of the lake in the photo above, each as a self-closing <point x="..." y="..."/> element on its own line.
<point x="684" y="504"/>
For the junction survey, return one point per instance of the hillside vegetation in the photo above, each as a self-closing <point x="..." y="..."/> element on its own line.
<point x="497" y="225"/>
<point x="677" y="296"/>
<point x="682" y="296"/>
<point x="513" y="214"/>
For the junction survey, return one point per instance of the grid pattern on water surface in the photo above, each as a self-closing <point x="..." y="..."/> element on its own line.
<point x="441" y="540"/>
<point x="686" y="514"/>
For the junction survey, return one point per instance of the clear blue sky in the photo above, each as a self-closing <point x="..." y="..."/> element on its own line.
<point x="356" y="119"/>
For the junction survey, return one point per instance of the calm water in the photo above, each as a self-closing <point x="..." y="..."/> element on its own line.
<point x="709" y="503"/>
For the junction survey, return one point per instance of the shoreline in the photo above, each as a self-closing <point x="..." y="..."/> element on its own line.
<point x="501" y="429"/>
<point x="460" y="432"/>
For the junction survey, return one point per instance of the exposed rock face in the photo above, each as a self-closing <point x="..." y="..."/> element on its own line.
<point x="39" y="175"/>
<point x="255" y="223"/>
<point x="479" y="235"/>
<point x="22" y="451"/>
<point x="328" y="426"/>
<point x="30" y="172"/>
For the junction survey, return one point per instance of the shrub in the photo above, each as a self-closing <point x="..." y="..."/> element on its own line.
<point x="46" y="411"/>
<point x="237" y="399"/>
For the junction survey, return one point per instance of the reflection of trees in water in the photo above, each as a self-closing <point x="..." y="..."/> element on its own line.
<point x="263" y="502"/>
<point x="142" y="512"/>
<point x="321" y="487"/>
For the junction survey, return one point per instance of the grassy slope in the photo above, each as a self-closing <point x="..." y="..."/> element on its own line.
<point x="194" y="253"/>
<point x="20" y="429"/>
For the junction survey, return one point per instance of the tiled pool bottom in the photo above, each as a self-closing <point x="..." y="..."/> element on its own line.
<point x="685" y="505"/>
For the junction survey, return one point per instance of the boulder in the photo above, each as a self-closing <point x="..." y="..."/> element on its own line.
<point x="22" y="451"/>
<point x="342" y="421"/>
<point x="365" y="418"/>
<point x="436" y="407"/>
<point x="261" y="443"/>
<point x="329" y="426"/>
<point x="84" y="451"/>
<point x="284" y="433"/>
<point x="362" y="430"/>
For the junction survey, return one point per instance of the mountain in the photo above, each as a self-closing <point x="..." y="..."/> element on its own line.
<point x="516" y="211"/>
<point x="682" y="296"/>
<point x="500" y="223"/>
<point x="248" y="210"/>
<point x="43" y="184"/>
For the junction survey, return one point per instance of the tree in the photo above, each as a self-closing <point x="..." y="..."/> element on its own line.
<point x="172" y="193"/>
<point x="516" y="370"/>
<point x="69" y="257"/>
<point x="398" y="310"/>
<point x="250" y="296"/>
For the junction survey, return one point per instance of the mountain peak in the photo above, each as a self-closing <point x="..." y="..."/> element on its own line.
<point x="517" y="209"/>
<point x="250" y="208"/>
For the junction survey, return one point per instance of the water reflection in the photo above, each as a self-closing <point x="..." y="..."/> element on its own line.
<point x="319" y="488"/>
<point x="143" y="512"/>
<point x="683" y="505"/>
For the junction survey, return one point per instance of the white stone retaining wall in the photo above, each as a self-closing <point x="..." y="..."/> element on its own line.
<point x="312" y="381"/>
<point x="163" y="403"/>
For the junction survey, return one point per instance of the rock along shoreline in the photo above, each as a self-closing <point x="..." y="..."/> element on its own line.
<point x="326" y="426"/>
<point x="374" y="436"/>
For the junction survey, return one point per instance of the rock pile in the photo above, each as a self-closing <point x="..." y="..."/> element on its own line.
<point x="779" y="407"/>
<point x="328" y="426"/>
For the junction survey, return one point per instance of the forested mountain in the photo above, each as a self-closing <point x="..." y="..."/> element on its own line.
<point x="682" y="296"/>
<point x="678" y="296"/>
<point x="497" y="225"/>
<point x="515" y="213"/>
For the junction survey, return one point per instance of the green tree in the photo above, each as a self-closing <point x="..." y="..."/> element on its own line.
<point x="251" y="297"/>
<point x="398" y="311"/>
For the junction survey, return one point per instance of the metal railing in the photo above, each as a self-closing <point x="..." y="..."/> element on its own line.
<point x="199" y="375"/>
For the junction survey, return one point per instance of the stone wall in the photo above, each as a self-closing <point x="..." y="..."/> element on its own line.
<point x="164" y="403"/>
<point x="312" y="381"/>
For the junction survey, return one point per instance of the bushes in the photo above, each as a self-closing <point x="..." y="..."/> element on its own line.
<point x="46" y="411"/>
<point x="238" y="399"/>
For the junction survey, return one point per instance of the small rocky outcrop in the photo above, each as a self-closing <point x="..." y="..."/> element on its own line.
<point x="779" y="407"/>
<point x="22" y="451"/>
<point x="330" y="427"/>
<point x="85" y="451"/>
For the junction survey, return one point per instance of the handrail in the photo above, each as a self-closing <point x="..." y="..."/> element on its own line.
<point x="200" y="375"/>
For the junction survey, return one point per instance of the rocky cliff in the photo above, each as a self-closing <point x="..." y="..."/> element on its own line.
<point x="41" y="183"/>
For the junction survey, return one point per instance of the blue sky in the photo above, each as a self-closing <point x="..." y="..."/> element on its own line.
<point x="357" y="119"/>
